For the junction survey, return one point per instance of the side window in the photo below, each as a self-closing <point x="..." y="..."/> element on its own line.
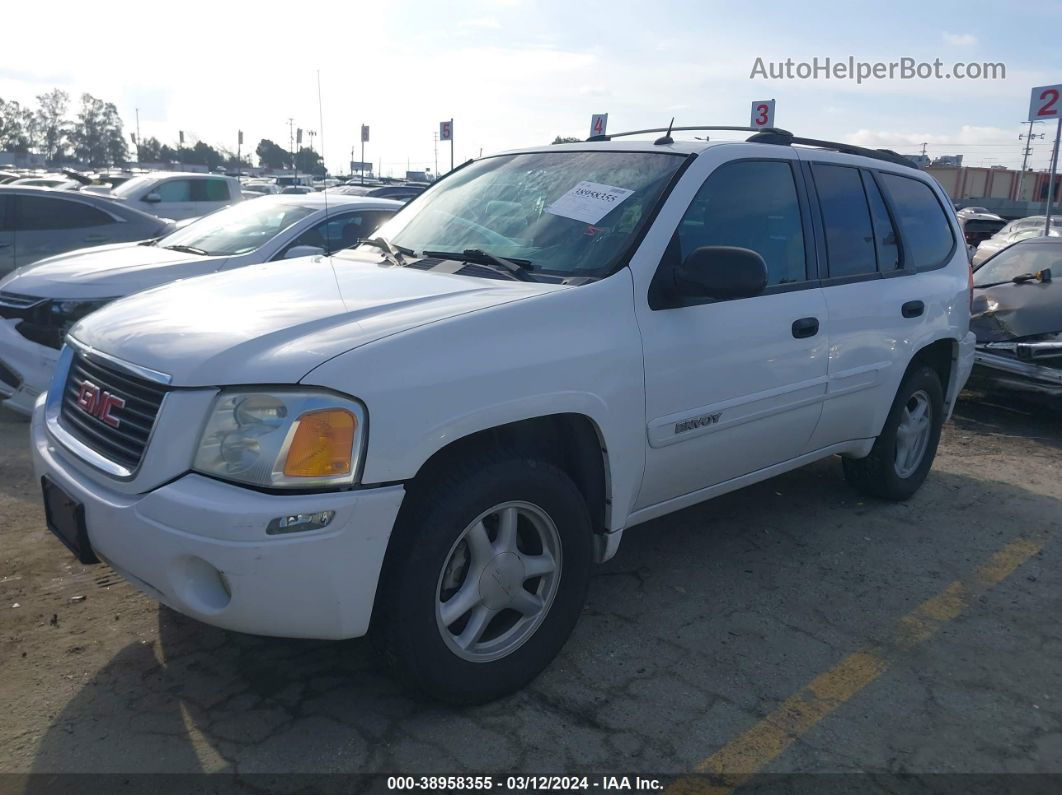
<point x="927" y="236"/>
<point x="175" y="190"/>
<point x="850" y="247"/>
<point x="7" y="214"/>
<point x="752" y="204"/>
<point x="886" y="243"/>
<point x="210" y="190"/>
<point x="41" y="212"/>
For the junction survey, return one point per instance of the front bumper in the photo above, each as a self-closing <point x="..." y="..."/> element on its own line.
<point x="32" y="363"/>
<point x="200" y="546"/>
<point x="1014" y="374"/>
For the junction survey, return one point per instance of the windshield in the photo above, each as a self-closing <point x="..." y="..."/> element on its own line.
<point x="131" y="186"/>
<point x="567" y="213"/>
<point x="237" y="229"/>
<point x="1019" y="260"/>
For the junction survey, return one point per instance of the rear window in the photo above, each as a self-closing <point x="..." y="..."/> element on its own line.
<point x="926" y="232"/>
<point x="210" y="190"/>
<point x="45" y="212"/>
<point x="850" y="245"/>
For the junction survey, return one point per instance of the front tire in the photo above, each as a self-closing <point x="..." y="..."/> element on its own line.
<point x="903" y="453"/>
<point x="488" y="576"/>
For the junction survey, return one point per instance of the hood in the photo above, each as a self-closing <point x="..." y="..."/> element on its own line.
<point x="108" y="271"/>
<point x="274" y="322"/>
<point x="1013" y="311"/>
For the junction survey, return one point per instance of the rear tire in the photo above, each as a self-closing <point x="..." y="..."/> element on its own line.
<point x="486" y="578"/>
<point x="903" y="453"/>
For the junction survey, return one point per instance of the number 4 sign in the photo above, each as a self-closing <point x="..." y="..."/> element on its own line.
<point x="1045" y="103"/>
<point x="598" y="123"/>
<point x="762" y="113"/>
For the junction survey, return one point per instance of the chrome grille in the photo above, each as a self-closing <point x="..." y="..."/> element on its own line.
<point x="125" y="443"/>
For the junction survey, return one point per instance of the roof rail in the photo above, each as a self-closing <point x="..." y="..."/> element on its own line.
<point x="782" y="138"/>
<point x="676" y="129"/>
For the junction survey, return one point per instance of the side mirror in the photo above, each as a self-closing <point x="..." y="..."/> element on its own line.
<point x="721" y="272"/>
<point x="154" y="198"/>
<point x="303" y="251"/>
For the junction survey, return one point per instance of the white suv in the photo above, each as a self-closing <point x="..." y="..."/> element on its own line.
<point x="179" y="195"/>
<point x="432" y="437"/>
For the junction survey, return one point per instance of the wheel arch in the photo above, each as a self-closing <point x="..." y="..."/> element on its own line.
<point x="942" y="356"/>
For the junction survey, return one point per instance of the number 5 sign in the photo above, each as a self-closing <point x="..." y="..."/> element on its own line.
<point x="762" y="113"/>
<point x="1045" y="103"/>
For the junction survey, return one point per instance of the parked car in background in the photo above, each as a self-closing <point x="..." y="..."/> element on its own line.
<point x="1021" y="229"/>
<point x="434" y="435"/>
<point x="39" y="222"/>
<point x="974" y="211"/>
<point x="39" y="304"/>
<point x="402" y="193"/>
<point x="177" y="195"/>
<point x="260" y="187"/>
<point x="293" y="190"/>
<point x="7" y="176"/>
<point x="43" y="182"/>
<point x="1017" y="317"/>
<point x="977" y="226"/>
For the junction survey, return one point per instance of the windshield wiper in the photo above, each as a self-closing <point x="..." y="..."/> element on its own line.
<point x="188" y="250"/>
<point x="1020" y="279"/>
<point x="517" y="268"/>
<point x="391" y="254"/>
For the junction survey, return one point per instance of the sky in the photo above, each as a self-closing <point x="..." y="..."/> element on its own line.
<point x="515" y="73"/>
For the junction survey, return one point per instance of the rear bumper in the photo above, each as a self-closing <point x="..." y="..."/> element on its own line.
<point x="963" y="368"/>
<point x="200" y="546"/>
<point x="32" y="365"/>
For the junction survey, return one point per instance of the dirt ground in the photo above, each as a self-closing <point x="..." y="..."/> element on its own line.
<point x="704" y="626"/>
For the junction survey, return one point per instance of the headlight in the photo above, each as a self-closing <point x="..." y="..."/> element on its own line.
<point x="283" y="439"/>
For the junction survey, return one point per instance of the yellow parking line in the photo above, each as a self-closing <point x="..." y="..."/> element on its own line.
<point x="750" y="752"/>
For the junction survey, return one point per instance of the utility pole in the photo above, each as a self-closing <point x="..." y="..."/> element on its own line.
<point x="312" y="134"/>
<point x="291" y="140"/>
<point x="435" y="146"/>
<point x="1051" y="177"/>
<point x="138" y="135"/>
<point x="1026" y="151"/>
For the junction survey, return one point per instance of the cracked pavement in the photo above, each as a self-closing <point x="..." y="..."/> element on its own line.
<point x="705" y="622"/>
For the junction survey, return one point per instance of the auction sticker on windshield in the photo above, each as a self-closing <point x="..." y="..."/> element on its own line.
<point x="588" y="202"/>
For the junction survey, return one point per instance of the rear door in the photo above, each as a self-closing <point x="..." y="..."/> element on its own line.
<point x="879" y="233"/>
<point x="47" y="225"/>
<point x="210" y="194"/>
<point x="7" y="233"/>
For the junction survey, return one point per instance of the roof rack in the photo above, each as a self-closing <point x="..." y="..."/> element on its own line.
<point x="783" y="138"/>
<point x="678" y="129"/>
<point x="773" y="135"/>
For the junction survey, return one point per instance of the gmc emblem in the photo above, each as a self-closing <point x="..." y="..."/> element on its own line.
<point x="92" y="400"/>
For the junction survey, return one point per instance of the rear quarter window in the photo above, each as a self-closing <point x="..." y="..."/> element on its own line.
<point x="210" y="190"/>
<point x="927" y="237"/>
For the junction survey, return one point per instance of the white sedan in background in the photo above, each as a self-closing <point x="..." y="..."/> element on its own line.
<point x="39" y="303"/>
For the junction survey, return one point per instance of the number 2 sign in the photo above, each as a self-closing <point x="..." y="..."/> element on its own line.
<point x="762" y="113"/>
<point x="1045" y="103"/>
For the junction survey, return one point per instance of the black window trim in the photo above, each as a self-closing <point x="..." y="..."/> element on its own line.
<point x="658" y="302"/>
<point x="901" y="249"/>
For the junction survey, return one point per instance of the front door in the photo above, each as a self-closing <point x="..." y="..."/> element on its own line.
<point x="734" y="386"/>
<point x="7" y="234"/>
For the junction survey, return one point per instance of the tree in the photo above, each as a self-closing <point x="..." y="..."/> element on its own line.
<point x="51" y="124"/>
<point x="150" y="150"/>
<point x="16" y="127"/>
<point x="97" y="134"/>
<point x="272" y="156"/>
<point x="566" y="140"/>
<point x="309" y="161"/>
<point x="202" y="154"/>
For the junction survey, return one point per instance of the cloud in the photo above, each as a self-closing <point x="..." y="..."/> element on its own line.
<point x="960" y="39"/>
<point x="482" y="23"/>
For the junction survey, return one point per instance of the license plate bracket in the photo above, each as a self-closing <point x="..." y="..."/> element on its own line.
<point x="65" y="517"/>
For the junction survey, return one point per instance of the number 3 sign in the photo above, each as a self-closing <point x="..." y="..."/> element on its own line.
<point x="1045" y="103"/>
<point x="762" y="113"/>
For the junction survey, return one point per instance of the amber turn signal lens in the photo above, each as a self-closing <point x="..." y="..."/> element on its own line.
<point x="323" y="444"/>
